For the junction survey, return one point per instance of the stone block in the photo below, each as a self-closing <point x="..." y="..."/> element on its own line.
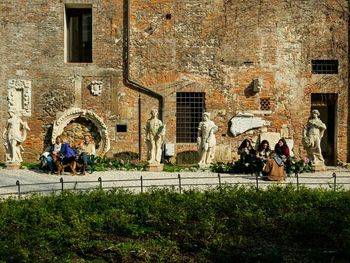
<point x="223" y="153"/>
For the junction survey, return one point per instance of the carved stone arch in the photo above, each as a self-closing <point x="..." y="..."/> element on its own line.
<point x="74" y="113"/>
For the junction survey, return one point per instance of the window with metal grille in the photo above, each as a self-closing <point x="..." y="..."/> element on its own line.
<point x="324" y="66"/>
<point x="79" y="34"/>
<point x="265" y="104"/>
<point x="189" y="110"/>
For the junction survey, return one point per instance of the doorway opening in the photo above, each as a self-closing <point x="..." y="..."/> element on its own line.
<point x="326" y="104"/>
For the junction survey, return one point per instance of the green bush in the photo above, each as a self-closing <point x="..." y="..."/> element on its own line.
<point x="231" y="224"/>
<point x="104" y="164"/>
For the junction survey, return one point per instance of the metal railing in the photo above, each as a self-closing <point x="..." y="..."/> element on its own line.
<point x="179" y="183"/>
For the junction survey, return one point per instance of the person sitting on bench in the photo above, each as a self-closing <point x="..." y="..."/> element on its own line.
<point x="87" y="149"/>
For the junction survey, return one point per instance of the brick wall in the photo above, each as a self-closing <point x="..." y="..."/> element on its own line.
<point x="214" y="46"/>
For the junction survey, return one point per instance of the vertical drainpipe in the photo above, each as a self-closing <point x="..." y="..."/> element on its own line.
<point x="126" y="75"/>
<point x="348" y="102"/>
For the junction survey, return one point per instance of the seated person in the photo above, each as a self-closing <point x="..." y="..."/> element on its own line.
<point x="274" y="169"/>
<point x="247" y="155"/>
<point x="282" y="150"/>
<point x="60" y="150"/>
<point x="87" y="151"/>
<point x="262" y="155"/>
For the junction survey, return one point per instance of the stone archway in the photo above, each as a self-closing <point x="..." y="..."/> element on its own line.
<point x="73" y="114"/>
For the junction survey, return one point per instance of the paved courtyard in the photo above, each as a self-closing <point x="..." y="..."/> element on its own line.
<point x="137" y="181"/>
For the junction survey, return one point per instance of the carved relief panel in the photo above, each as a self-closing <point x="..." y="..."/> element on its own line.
<point x="96" y="87"/>
<point x="19" y="96"/>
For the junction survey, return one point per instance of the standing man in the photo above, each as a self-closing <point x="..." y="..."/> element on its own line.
<point x="87" y="149"/>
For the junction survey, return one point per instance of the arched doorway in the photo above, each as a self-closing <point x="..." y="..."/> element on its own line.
<point x="74" y="123"/>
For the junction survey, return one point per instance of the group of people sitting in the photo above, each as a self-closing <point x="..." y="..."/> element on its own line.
<point x="61" y="150"/>
<point x="271" y="164"/>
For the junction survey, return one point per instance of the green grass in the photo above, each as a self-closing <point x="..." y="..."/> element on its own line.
<point x="234" y="224"/>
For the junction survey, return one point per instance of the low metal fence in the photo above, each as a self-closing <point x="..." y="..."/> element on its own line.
<point x="179" y="183"/>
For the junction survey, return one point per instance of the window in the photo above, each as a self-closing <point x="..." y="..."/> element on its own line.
<point x="122" y="128"/>
<point x="79" y="34"/>
<point x="189" y="110"/>
<point x="265" y="104"/>
<point x="324" y="66"/>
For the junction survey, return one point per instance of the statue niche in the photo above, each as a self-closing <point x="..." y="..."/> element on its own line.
<point x="75" y="123"/>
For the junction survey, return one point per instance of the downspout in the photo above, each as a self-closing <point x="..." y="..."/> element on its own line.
<point x="126" y="74"/>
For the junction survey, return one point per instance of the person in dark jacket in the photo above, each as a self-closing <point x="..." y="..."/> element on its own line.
<point x="62" y="151"/>
<point x="247" y="156"/>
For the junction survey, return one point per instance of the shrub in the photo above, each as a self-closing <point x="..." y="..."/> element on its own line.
<point x="233" y="224"/>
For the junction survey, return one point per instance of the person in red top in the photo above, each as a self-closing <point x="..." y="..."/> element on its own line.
<point x="282" y="150"/>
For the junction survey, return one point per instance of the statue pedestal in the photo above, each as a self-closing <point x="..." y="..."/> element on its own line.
<point x="318" y="167"/>
<point x="154" y="167"/>
<point x="12" y="166"/>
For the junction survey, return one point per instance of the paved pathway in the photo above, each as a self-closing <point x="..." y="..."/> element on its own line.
<point x="31" y="180"/>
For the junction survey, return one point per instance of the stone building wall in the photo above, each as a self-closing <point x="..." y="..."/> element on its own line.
<point x="213" y="46"/>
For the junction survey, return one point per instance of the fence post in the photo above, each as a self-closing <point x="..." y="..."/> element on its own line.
<point x="141" y="179"/>
<point x="179" y="176"/>
<point x="61" y="181"/>
<point x="18" y="188"/>
<point x="257" y="180"/>
<point x="334" y="181"/>
<point x="100" y="181"/>
<point x="297" y="174"/>
<point x="219" y="176"/>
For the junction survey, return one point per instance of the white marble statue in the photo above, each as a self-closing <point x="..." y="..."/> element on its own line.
<point x="155" y="131"/>
<point x="313" y="133"/>
<point x="206" y="140"/>
<point x="14" y="135"/>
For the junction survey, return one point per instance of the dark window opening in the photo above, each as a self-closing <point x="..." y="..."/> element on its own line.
<point x="79" y="34"/>
<point x="168" y="16"/>
<point x="122" y="128"/>
<point x="265" y="104"/>
<point x="324" y="66"/>
<point x="189" y="109"/>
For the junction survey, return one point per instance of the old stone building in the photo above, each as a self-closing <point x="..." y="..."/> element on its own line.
<point x="100" y="66"/>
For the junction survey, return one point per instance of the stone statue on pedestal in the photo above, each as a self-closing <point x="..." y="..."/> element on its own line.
<point x="206" y="140"/>
<point x="14" y="135"/>
<point x="155" y="131"/>
<point x="313" y="133"/>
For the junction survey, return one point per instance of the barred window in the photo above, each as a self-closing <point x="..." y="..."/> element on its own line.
<point x="324" y="66"/>
<point x="265" y="104"/>
<point x="189" y="110"/>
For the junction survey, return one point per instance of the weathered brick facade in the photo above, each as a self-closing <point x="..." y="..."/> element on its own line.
<point x="213" y="46"/>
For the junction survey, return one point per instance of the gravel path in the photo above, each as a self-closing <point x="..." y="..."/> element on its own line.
<point x="32" y="181"/>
